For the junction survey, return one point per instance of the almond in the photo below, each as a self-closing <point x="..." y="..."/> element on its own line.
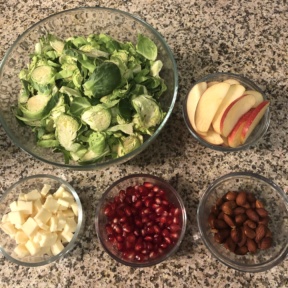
<point x="252" y="215"/>
<point x="211" y="219"/>
<point x="268" y="233"/>
<point x="230" y="222"/>
<point x="250" y="223"/>
<point x="259" y="204"/>
<point x="264" y="220"/>
<point x="230" y="244"/>
<point x="241" y="198"/>
<point x="246" y="205"/>
<point x="260" y="232"/>
<point x="240" y="219"/>
<point x="243" y="238"/>
<point x="220" y="224"/>
<point x="220" y="215"/>
<point x="227" y="207"/>
<point x="241" y="250"/>
<point x="265" y="243"/>
<point x="239" y="210"/>
<point x="262" y="212"/>
<point x="251" y="245"/>
<point x="219" y="202"/>
<point x="231" y="195"/>
<point x="251" y="197"/>
<point x="236" y="235"/>
<point x="215" y="210"/>
<point x="222" y="235"/>
<point x="250" y="233"/>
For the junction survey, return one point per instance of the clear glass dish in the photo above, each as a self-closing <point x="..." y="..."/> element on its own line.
<point x="7" y="244"/>
<point x="113" y="190"/>
<point x="258" y="132"/>
<point x="275" y="202"/>
<point x="79" y="21"/>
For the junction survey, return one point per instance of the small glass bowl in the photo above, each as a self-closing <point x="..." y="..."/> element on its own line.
<point x="81" y="21"/>
<point x="257" y="133"/>
<point x="275" y="202"/>
<point x="101" y="219"/>
<point x="25" y="185"/>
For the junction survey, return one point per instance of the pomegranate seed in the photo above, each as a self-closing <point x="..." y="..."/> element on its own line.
<point x="130" y="190"/>
<point x="148" y="202"/>
<point x="128" y="199"/>
<point x="129" y="255"/>
<point x="153" y="255"/>
<point x="176" y="220"/>
<point x="163" y="219"/>
<point x="161" y="193"/>
<point x="115" y="220"/>
<point x="123" y="219"/>
<point x="138" y="222"/>
<point x="156" y="188"/>
<point x="138" y="246"/>
<point x="138" y="204"/>
<point x="156" y="229"/>
<point x="174" y="235"/>
<point x="149" y="246"/>
<point x="117" y="228"/>
<point x="127" y="228"/>
<point x="131" y="238"/>
<point x="143" y="190"/>
<point x="137" y="232"/>
<point x="149" y="230"/>
<point x="164" y="245"/>
<point x="120" y="246"/>
<point x="177" y="212"/>
<point x="174" y="228"/>
<point x="168" y="240"/>
<point x="159" y="210"/>
<point x="122" y="195"/>
<point x="154" y="206"/>
<point x="148" y="185"/>
<point x="148" y="238"/>
<point x="134" y="198"/>
<point x="109" y="229"/>
<point x="111" y="238"/>
<point x="128" y="211"/>
<point x="145" y="219"/>
<point x="129" y="245"/>
<point x="139" y="257"/>
<point x="158" y="200"/>
<point x="165" y="233"/>
<point x="119" y="238"/>
<point x="146" y="211"/>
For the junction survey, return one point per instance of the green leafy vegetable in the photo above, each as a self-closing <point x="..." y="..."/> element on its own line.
<point x="91" y="98"/>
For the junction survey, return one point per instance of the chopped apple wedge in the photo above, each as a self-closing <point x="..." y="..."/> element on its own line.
<point x="208" y="104"/>
<point x="231" y="81"/>
<point x="253" y="119"/>
<point x="234" y="112"/>
<point x="234" y="138"/>
<point x="213" y="137"/>
<point x="192" y="101"/>
<point x="258" y="97"/>
<point x="234" y="92"/>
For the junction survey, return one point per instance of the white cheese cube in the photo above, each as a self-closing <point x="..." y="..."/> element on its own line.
<point x="33" y="195"/>
<point x="57" y="247"/>
<point x="43" y="216"/>
<point x="30" y="227"/>
<point x="17" y="217"/>
<point x="59" y="193"/>
<point x="44" y="226"/>
<point x="64" y="202"/>
<point x="53" y="224"/>
<point x="13" y="206"/>
<point x="37" y="205"/>
<point x="66" y="236"/>
<point x="45" y="251"/>
<point x="45" y="189"/>
<point x="8" y="228"/>
<point x="61" y="222"/>
<point x="47" y="239"/>
<point x="74" y="207"/>
<point x="25" y="206"/>
<point x="51" y="204"/>
<point x="67" y="213"/>
<point x="61" y="208"/>
<point x="21" y="251"/>
<point x="22" y="197"/>
<point x="70" y="225"/>
<point x="21" y="237"/>
<point x="5" y="218"/>
<point x="67" y="194"/>
<point x="32" y="247"/>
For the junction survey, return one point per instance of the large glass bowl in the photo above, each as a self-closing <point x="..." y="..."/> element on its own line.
<point x="174" y="199"/>
<point x="80" y="21"/>
<point x="257" y="133"/>
<point x="25" y="185"/>
<point x="275" y="202"/>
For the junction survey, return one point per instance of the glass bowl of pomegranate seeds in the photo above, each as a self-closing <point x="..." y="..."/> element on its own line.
<point x="140" y="220"/>
<point x="242" y="218"/>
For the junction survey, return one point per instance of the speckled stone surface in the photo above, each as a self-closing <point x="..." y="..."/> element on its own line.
<point x="246" y="37"/>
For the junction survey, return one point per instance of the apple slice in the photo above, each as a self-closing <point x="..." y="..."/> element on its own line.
<point x="253" y="120"/>
<point x="208" y="105"/>
<point x="234" y="111"/>
<point x="234" y="92"/>
<point x="231" y="81"/>
<point x="258" y="97"/>
<point x="234" y="138"/>
<point x="192" y="101"/>
<point x="209" y="84"/>
<point x="213" y="137"/>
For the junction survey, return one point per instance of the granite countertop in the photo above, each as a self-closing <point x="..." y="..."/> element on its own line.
<point x="246" y="37"/>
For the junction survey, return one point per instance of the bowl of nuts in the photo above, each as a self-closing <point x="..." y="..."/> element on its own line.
<point x="242" y="219"/>
<point x="140" y="220"/>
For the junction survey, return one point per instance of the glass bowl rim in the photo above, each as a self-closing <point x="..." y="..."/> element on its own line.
<point x="80" y="221"/>
<point x="98" y="165"/>
<point x="225" y="260"/>
<point x="219" y="147"/>
<point x="183" y="228"/>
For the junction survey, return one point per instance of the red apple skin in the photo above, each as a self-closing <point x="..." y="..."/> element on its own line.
<point x="245" y="107"/>
<point x="253" y="120"/>
<point x="234" y="138"/>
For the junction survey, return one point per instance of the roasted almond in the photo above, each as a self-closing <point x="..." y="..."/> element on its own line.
<point x="268" y="233"/>
<point x="252" y="215"/>
<point x="231" y="195"/>
<point x="211" y="219"/>
<point x="243" y="238"/>
<point x="228" y="219"/>
<point x="246" y="205"/>
<point x="214" y="209"/>
<point x="259" y="204"/>
<point x="219" y="202"/>
<point x="241" y="250"/>
<point x="230" y="244"/>
<point x="262" y="212"/>
<point x="250" y="233"/>
<point x="264" y="220"/>
<point x="228" y="206"/>
<point x="251" y="197"/>
<point x="240" y="219"/>
<point x="251" y="245"/>
<point x="220" y="215"/>
<point x="235" y="235"/>
<point x="260" y="232"/>
<point x="220" y="224"/>
<point x="241" y="198"/>
<point x="222" y="235"/>
<point x="265" y="243"/>
<point x="239" y="210"/>
<point x="250" y="223"/>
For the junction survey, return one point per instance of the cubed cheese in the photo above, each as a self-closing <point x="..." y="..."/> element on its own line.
<point x="43" y="216"/>
<point x="37" y="205"/>
<point x="45" y="251"/>
<point x="66" y="236"/>
<point x="8" y="228"/>
<point x="51" y="204"/>
<point x="67" y="213"/>
<point x="13" y="206"/>
<point x="74" y="207"/>
<point x="32" y="247"/>
<point x="45" y="190"/>
<point x="70" y="225"/>
<point x="21" y="250"/>
<point x="5" y="218"/>
<point x="59" y="192"/>
<point x="67" y="194"/>
<point x="47" y="239"/>
<point x="22" y="197"/>
<point x="25" y="206"/>
<point x="57" y="247"/>
<point x="43" y="226"/>
<point x="53" y="223"/>
<point x="30" y="227"/>
<point x="61" y="222"/>
<point x="64" y="202"/>
<point x="17" y="217"/>
<point x="21" y="237"/>
<point x="33" y="195"/>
